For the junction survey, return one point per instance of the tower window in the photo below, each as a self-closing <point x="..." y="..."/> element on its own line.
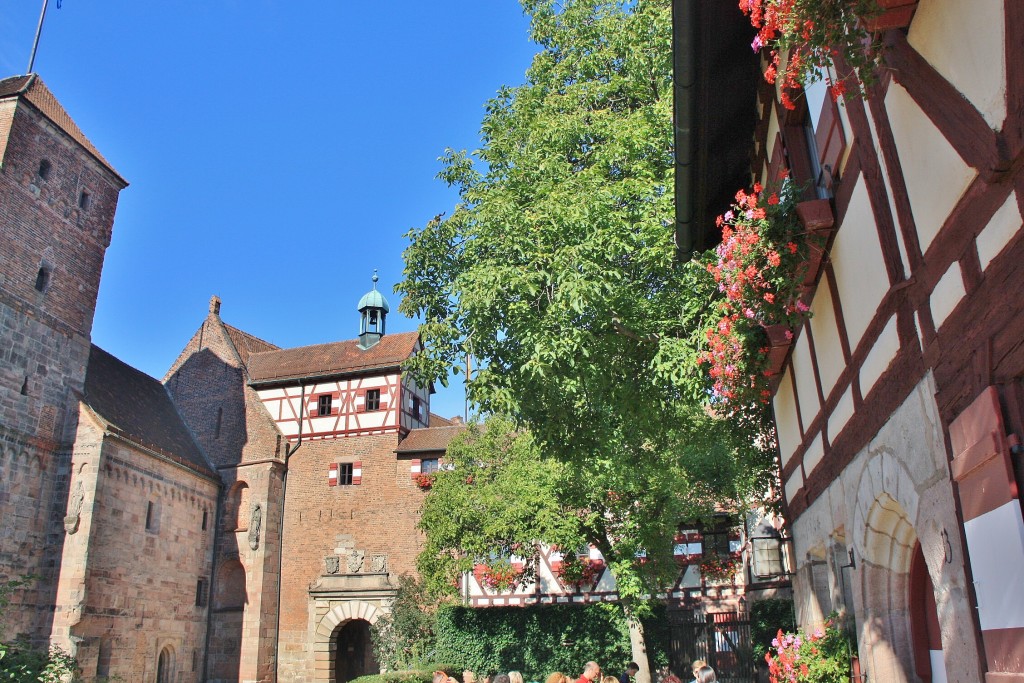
<point x="416" y="408"/>
<point x="345" y="471"/>
<point x="84" y="200"/>
<point x="373" y="399"/>
<point x="43" y="278"/>
<point x="204" y="519"/>
<point x="44" y="169"/>
<point x="151" y="516"/>
<point x="323" y="406"/>
<point x="201" y="593"/>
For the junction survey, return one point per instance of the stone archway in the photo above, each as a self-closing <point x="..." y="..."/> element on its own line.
<point x="325" y="646"/>
<point x="353" y="651"/>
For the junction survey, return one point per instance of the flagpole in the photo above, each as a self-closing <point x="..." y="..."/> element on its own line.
<point x="35" y="44"/>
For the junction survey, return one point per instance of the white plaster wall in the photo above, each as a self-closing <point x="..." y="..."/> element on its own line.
<point x="857" y="261"/>
<point x="948" y="292"/>
<point x="813" y="455"/>
<point x="807" y="389"/>
<point x="841" y="415"/>
<point x="880" y="356"/>
<point x="827" y="346"/>
<point x="965" y="40"/>
<point x="935" y="174"/>
<point x="1003" y="227"/>
<point x="786" y="418"/>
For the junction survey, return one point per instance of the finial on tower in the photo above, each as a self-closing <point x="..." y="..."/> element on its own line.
<point x="215" y="305"/>
<point x="374" y="278"/>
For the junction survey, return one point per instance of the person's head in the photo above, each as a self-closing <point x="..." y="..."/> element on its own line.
<point x="440" y="677"/>
<point x="609" y="679"/>
<point x="706" y="674"/>
<point x="698" y="664"/>
<point x="632" y="668"/>
<point x="557" y="677"/>
<point x="500" y="678"/>
<point x="515" y="677"/>
<point x="468" y="676"/>
<point x="591" y="671"/>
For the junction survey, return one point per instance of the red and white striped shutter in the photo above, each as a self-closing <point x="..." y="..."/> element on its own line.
<point x="357" y="473"/>
<point x="417" y="467"/>
<point x="332" y="474"/>
<point x="993" y="527"/>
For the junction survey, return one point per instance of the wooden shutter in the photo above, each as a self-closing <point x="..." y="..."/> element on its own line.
<point x="777" y="170"/>
<point x="332" y="474"/>
<point x="831" y="141"/>
<point x="416" y="467"/>
<point x="357" y="473"/>
<point x="993" y="527"/>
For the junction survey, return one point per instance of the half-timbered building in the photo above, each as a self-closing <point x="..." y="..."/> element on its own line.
<point x="899" y="403"/>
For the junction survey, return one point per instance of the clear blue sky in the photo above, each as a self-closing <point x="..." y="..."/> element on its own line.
<point x="277" y="150"/>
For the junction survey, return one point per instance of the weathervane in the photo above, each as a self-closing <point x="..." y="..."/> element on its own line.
<point x="39" y="30"/>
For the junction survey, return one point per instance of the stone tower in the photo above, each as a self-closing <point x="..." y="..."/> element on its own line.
<point x="57" y="201"/>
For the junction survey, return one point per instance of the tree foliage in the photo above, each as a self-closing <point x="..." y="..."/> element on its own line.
<point x="404" y="637"/>
<point x="21" y="661"/>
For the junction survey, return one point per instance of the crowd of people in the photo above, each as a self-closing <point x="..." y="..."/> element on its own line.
<point x="702" y="673"/>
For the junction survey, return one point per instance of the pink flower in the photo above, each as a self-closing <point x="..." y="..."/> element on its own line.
<point x="757" y="44"/>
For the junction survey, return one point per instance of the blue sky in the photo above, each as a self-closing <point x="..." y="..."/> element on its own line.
<point x="277" y="150"/>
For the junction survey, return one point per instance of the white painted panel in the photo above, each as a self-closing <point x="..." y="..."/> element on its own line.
<point x="1005" y="224"/>
<point x="806" y="387"/>
<point x="965" y="42"/>
<point x="889" y="198"/>
<point x="880" y="355"/>
<point x="861" y="278"/>
<point x="793" y="484"/>
<point x="786" y="419"/>
<point x="935" y="174"/>
<point x="948" y="292"/>
<point x="841" y="415"/>
<point x="827" y="346"/>
<point x="606" y="584"/>
<point x="938" y="662"/>
<point x="815" y="452"/>
<point x="995" y="542"/>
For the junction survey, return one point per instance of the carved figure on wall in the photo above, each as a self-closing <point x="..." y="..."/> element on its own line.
<point x="74" y="508"/>
<point x="355" y="561"/>
<point x="333" y="564"/>
<point x="254" y="526"/>
<point x="379" y="564"/>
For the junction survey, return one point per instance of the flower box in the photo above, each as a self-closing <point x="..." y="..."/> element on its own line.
<point x="780" y="338"/>
<point x="895" y="14"/>
<point x="817" y="218"/>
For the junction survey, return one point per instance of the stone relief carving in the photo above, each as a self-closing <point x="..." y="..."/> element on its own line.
<point x="333" y="563"/>
<point x="254" y="526"/>
<point x="75" y="508"/>
<point x="355" y="561"/>
<point x="379" y="564"/>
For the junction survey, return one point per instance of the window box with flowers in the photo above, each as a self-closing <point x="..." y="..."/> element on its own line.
<point x="500" y="576"/>
<point x="771" y="251"/>
<point x="718" y="569"/>
<point x="806" y="39"/>
<point x="425" y="480"/>
<point x="581" y="573"/>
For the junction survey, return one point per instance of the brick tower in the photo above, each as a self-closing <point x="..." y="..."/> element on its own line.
<point x="57" y="201"/>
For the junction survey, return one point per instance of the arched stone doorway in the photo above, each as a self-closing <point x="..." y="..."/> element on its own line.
<point x="353" y="651"/>
<point x="330" y="626"/>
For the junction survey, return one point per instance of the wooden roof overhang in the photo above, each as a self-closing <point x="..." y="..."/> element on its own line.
<point x="717" y="74"/>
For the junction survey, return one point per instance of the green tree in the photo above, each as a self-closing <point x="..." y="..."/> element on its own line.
<point x="502" y="497"/>
<point x="557" y="272"/>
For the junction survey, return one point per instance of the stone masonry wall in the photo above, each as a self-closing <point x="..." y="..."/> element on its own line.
<point x="137" y="571"/>
<point x="377" y="517"/>
<point x="44" y="335"/>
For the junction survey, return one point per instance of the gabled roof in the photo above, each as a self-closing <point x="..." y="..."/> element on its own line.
<point x="32" y="89"/>
<point x="330" y="360"/>
<point x="138" y="408"/>
<point x="429" y="439"/>
<point x="246" y="344"/>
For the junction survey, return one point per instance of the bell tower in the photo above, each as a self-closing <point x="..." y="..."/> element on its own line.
<point x="373" y="310"/>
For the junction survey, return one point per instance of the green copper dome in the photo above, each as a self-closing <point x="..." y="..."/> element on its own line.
<point x="373" y="298"/>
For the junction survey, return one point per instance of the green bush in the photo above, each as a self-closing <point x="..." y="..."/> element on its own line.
<point x="21" y="661"/>
<point x="397" y="677"/>
<point x="766" y="618"/>
<point x="540" y="639"/>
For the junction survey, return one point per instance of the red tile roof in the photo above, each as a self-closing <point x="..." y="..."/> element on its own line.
<point x="328" y="360"/>
<point x="138" y="408"/>
<point x="429" y="439"/>
<point x="32" y="89"/>
<point x="246" y="344"/>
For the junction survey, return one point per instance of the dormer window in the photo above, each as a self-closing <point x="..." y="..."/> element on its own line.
<point x="44" y="170"/>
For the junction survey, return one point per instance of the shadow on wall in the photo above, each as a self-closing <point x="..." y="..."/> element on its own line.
<point x="210" y="394"/>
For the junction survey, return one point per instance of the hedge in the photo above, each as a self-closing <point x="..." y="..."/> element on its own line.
<point x="538" y="640"/>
